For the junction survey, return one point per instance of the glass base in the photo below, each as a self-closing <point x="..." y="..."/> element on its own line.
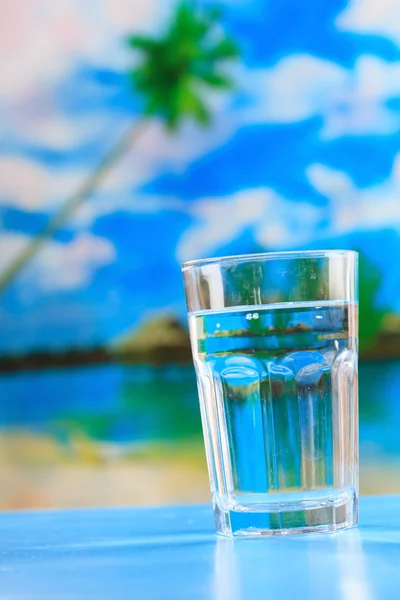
<point x="326" y="516"/>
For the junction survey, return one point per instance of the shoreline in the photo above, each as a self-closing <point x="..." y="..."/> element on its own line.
<point x="10" y="364"/>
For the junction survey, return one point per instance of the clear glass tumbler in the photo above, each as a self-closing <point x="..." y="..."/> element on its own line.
<point x="274" y="340"/>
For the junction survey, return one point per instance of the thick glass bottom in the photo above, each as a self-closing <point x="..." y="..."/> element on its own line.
<point x="285" y="518"/>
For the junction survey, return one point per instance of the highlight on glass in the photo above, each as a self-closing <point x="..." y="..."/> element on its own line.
<point x="274" y="341"/>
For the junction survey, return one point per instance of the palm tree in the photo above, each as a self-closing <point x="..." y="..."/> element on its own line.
<point x="172" y="77"/>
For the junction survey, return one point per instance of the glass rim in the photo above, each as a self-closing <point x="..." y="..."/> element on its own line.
<point x="261" y="256"/>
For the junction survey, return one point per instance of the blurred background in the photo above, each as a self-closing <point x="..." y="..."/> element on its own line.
<point x="137" y="135"/>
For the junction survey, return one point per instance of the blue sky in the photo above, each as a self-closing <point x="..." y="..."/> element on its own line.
<point x="306" y="153"/>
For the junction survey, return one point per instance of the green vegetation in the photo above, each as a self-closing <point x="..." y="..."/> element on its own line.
<point x="379" y="329"/>
<point x="370" y="316"/>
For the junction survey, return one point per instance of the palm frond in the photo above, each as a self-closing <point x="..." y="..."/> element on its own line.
<point x="174" y="69"/>
<point x="216" y="80"/>
<point x="224" y="49"/>
<point x="141" y="42"/>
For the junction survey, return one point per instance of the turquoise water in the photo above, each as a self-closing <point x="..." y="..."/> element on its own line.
<point x="110" y="402"/>
<point x="139" y="404"/>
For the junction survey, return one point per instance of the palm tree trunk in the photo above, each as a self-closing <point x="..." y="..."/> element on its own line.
<point x="83" y="193"/>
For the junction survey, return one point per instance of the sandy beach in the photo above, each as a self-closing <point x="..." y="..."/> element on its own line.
<point x="37" y="472"/>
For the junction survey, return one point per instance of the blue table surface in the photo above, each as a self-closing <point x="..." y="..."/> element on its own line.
<point x="173" y="552"/>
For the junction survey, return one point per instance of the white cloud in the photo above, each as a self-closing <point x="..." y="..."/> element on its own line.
<point x="57" y="266"/>
<point x="68" y="266"/>
<point x="350" y="102"/>
<point x="49" y="128"/>
<point x="127" y="202"/>
<point x="218" y="221"/>
<point x="274" y="221"/>
<point x="23" y="183"/>
<point x="289" y="225"/>
<point x="27" y="185"/>
<point x="360" y="107"/>
<point x="355" y="209"/>
<point x="294" y="89"/>
<point x="42" y="41"/>
<point x="372" y="17"/>
<point x="126" y="17"/>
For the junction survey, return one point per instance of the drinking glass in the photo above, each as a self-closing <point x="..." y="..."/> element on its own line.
<point x="274" y="342"/>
